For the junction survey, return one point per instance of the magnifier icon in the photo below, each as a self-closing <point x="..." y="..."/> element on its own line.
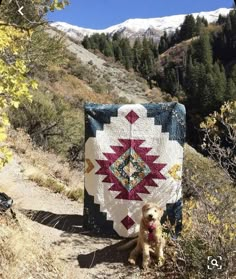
<point x="214" y="262"/>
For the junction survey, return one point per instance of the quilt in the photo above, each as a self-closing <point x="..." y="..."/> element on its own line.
<point x="133" y="155"/>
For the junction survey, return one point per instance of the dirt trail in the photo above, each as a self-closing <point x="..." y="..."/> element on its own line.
<point x="59" y="222"/>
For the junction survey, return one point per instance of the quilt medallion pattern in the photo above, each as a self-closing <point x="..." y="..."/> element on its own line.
<point x="133" y="155"/>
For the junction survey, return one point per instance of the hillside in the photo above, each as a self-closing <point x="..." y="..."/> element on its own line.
<point x="48" y="78"/>
<point x="122" y="84"/>
<point x="40" y="182"/>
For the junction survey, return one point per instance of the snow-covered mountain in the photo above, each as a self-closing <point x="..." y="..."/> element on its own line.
<point x="132" y="28"/>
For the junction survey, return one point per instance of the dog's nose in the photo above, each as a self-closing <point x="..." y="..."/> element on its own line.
<point x="150" y="215"/>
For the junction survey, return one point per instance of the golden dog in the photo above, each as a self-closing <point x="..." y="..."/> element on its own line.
<point x="150" y="237"/>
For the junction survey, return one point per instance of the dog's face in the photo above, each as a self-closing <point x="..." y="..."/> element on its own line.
<point x="151" y="212"/>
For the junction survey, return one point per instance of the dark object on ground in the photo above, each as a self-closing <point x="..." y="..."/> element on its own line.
<point x="5" y="202"/>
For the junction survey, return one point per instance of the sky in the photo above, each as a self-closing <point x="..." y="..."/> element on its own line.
<point x="100" y="14"/>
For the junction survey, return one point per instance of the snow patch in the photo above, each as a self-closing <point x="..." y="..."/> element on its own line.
<point x="138" y="25"/>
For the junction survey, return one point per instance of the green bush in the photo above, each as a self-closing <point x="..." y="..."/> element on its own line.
<point x="76" y="68"/>
<point x="99" y="86"/>
<point x="50" y="121"/>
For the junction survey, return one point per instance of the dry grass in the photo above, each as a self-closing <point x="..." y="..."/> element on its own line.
<point x="209" y="221"/>
<point x="76" y="90"/>
<point x="208" y="224"/>
<point x="155" y="95"/>
<point x="47" y="182"/>
<point x="47" y="169"/>
<point x="214" y="28"/>
<point x="56" y="186"/>
<point x="23" y="255"/>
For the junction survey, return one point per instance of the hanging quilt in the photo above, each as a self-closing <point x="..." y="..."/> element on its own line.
<point x="133" y="155"/>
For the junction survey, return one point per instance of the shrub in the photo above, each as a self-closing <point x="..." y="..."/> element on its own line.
<point x="209" y="223"/>
<point x="99" y="86"/>
<point x="76" y="68"/>
<point x="50" y="121"/>
<point x="219" y="139"/>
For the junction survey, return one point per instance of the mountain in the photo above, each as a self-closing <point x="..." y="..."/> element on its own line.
<point x="133" y="28"/>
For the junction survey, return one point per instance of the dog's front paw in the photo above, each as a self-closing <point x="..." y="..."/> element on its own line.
<point x="161" y="261"/>
<point x="131" y="261"/>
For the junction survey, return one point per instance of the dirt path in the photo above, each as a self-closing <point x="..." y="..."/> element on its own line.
<point x="59" y="221"/>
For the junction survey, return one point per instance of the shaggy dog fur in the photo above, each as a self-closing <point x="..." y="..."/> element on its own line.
<point x="150" y="237"/>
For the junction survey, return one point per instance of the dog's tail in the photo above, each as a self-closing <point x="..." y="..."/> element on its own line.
<point x="128" y="244"/>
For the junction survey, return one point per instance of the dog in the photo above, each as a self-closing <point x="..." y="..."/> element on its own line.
<point x="150" y="239"/>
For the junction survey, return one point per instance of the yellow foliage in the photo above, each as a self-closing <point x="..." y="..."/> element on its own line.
<point x="10" y="38"/>
<point x="212" y="199"/>
<point x="187" y="223"/>
<point x="14" y="84"/>
<point x="226" y="109"/>
<point x="189" y="206"/>
<point x="212" y="219"/>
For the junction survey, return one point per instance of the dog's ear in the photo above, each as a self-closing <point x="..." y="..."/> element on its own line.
<point x="160" y="210"/>
<point x="145" y="207"/>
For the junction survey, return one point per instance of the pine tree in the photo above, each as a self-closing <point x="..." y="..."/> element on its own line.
<point x="206" y="97"/>
<point x="230" y="90"/>
<point x="228" y="25"/>
<point x="86" y="42"/>
<point x="102" y="42"/>
<point x="137" y="55"/>
<point x="116" y="37"/>
<point x="221" y="20"/>
<point x="94" y="41"/>
<point x="204" y="21"/>
<point x="220" y="85"/>
<point x="171" y="81"/>
<point x="202" y="87"/>
<point x="188" y="28"/>
<point x="233" y="73"/>
<point x="203" y="51"/>
<point x="232" y="15"/>
<point x="127" y="57"/>
<point x="147" y="60"/>
<point x="199" y="87"/>
<point x="154" y="48"/>
<point x="191" y="83"/>
<point x="108" y="51"/>
<point x="117" y="51"/>
<point x="200" y="23"/>
<point x="163" y="44"/>
<point x="174" y="38"/>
